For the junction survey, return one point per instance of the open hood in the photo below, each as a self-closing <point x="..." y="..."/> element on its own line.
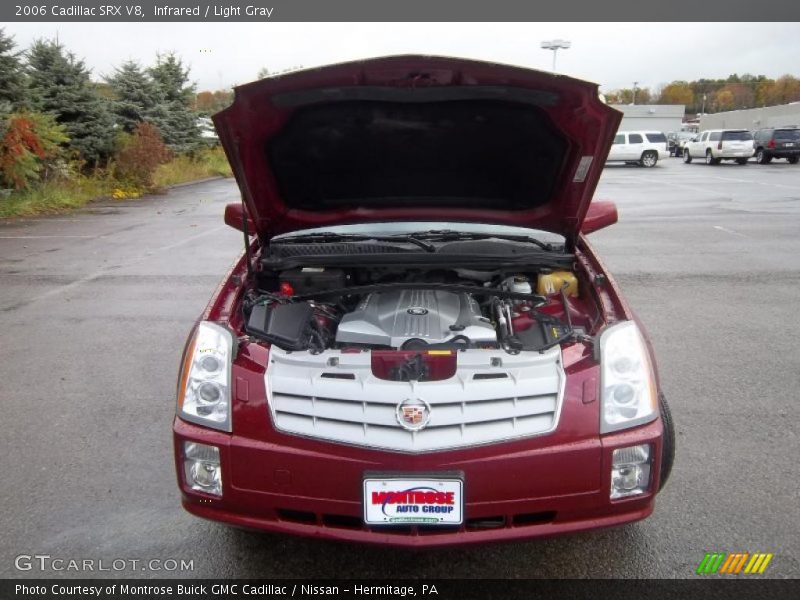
<point x="417" y="138"/>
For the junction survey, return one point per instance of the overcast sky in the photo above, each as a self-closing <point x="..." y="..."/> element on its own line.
<point x="612" y="54"/>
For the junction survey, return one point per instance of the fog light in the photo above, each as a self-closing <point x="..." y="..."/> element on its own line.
<point x="201" y="468"/>
<point x="630" y="471"/>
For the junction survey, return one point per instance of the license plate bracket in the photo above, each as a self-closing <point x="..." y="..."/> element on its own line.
<point x="427" y="499"/>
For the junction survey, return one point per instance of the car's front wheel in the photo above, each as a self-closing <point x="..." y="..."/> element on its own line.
<point x="668" y="444"/>
<point x="649" y="159"/>
<point x="687" y="157"/>
<point x="762" y="157"/>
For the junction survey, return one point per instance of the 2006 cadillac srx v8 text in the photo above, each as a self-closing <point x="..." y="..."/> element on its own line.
<point x="419" y="346"/>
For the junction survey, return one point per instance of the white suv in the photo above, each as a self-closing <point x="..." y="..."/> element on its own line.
<point x="716" y="145"/>
<point x="644" y="148"/>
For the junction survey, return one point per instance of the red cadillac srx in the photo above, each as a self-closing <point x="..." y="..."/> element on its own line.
<point x="418" y="345"/>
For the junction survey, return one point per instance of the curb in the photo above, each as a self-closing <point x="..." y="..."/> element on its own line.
<point x="195" y="182"/>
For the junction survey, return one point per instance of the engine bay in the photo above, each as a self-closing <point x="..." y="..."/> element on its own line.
<point x="316" y="309"/>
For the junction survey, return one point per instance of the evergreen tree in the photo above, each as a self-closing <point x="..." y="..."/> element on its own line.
<point x="174" y="116"/>
<point x="11" y="76"/>
<point x="58" y="83"/>
<point x="136" y="96"/>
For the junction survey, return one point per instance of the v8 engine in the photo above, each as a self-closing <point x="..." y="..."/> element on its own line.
<point x="403" y="317"/>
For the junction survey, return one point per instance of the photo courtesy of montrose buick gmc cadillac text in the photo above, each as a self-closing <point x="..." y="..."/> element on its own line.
<point x="418" y="346"/>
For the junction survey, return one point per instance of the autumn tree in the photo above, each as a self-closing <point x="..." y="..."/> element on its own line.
<point x="29" y="142"/>
<point x="723" y="100"/>
<point x="742" y="95"/>
<point x="208" y="103"/>
<point x="140" y="154"/>
<point x="677" y="92"/>
<point x="783" y="90"/>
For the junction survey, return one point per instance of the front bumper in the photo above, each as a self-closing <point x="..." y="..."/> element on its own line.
<point x="531" y="488"/>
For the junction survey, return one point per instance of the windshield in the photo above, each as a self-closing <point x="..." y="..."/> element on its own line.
<point x="404" y="228"/>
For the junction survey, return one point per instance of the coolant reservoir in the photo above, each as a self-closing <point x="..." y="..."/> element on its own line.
<point x="551" y="283"/>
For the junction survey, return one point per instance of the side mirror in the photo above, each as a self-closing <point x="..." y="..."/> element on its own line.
<point x="601" y="213"/>
<point x="234" y="214"/>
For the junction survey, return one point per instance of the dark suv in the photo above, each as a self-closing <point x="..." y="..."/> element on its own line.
<point x="777" y="142"/>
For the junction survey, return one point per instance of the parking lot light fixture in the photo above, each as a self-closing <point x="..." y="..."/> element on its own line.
<point x="555" y="45"/>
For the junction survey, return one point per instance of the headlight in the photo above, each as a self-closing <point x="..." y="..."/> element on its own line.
<point x="628" y="394"/>
<point x="204" y="392"/>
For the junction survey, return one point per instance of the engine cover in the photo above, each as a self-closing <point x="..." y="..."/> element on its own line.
<point x="392" y="318"/>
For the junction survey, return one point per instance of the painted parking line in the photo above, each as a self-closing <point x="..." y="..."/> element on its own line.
<point x="731" y="231"/>
<point x="47" y="237"/>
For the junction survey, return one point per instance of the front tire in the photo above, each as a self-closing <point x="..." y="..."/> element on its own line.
<point x="687" y="157"/>
<point x="668" y="445"/>
<point x="649" y="159"/>
<point x="762" y="157"/>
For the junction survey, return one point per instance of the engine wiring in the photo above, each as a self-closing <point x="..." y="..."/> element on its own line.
<point x="502" y="306"/>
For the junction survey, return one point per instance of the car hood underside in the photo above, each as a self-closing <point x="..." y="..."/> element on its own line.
<point x="417" y="138"/>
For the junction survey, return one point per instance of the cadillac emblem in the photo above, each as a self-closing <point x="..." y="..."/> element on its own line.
<point x="413" y="414"/>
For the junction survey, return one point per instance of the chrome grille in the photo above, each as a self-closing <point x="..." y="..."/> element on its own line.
<point x="308" y="396"/>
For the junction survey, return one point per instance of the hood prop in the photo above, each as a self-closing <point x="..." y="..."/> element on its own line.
<point x="246" y="232"/>
<point x="245" y="217"/>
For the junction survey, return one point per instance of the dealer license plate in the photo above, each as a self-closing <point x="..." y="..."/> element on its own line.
<point x="413" y="501"/>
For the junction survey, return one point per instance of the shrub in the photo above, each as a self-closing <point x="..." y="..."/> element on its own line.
<point x="30" y="144"/>
<point x="140" y="155"/>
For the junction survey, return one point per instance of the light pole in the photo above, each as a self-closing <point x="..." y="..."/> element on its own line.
<point x="634" y="92"/>
<point x="555" y="45"/>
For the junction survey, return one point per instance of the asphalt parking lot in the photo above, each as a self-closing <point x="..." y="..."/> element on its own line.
<point x="95" y="307"/>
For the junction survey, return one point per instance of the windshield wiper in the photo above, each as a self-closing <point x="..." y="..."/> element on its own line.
<point x="450" y="235"/>
<point x="326" y="237"/>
